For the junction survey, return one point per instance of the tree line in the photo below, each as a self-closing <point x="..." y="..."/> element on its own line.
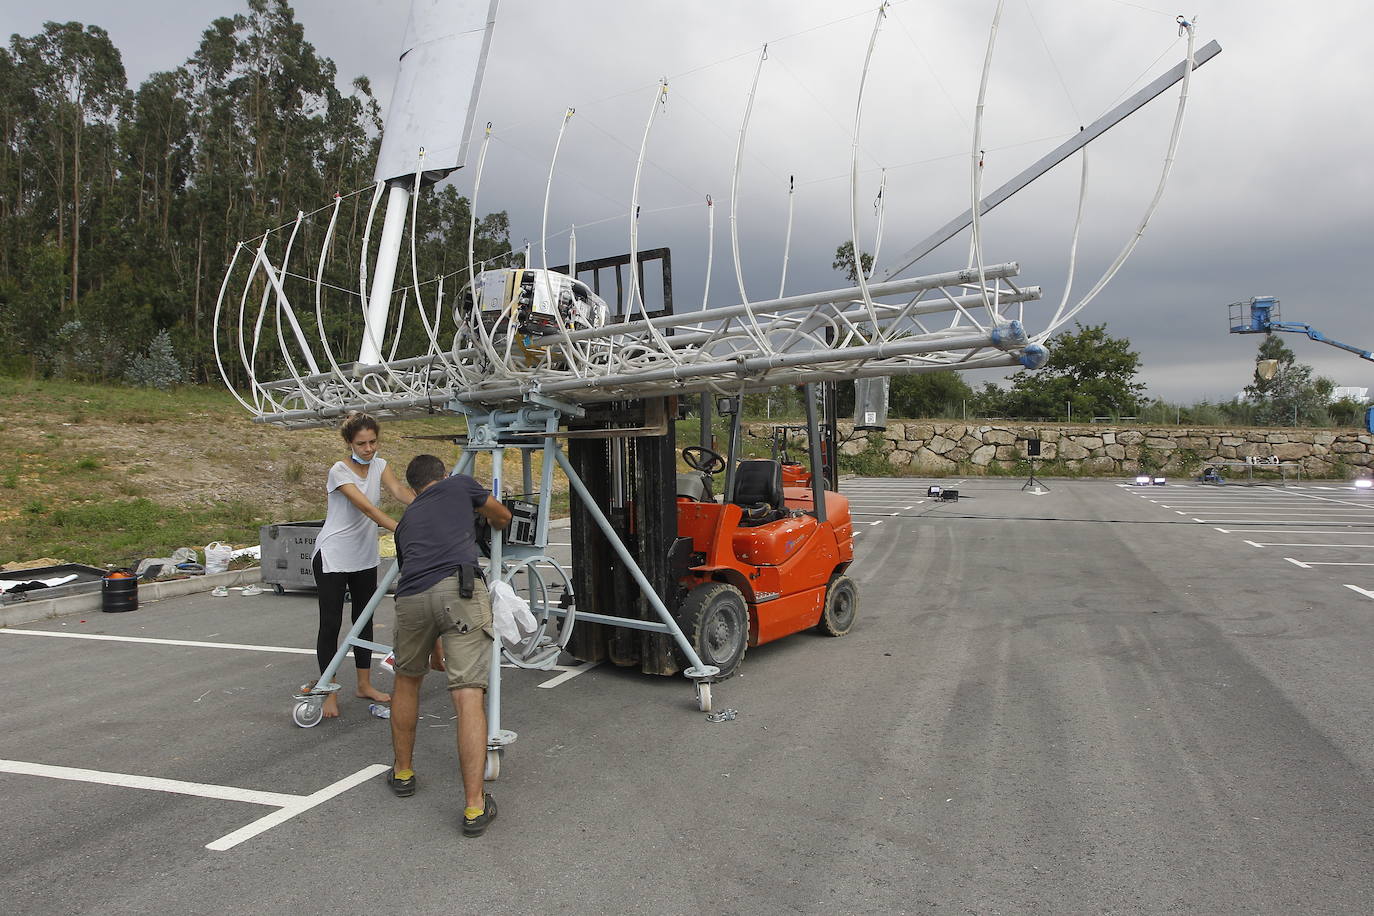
<point x="121" y="206"/>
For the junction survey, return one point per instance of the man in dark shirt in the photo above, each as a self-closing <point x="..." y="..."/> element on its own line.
<point x="441" y="595"/>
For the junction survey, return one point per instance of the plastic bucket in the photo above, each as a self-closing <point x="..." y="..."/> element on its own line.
<point x="119" y="592"/>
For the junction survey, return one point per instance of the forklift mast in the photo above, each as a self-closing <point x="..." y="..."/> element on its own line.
<point x="626" y="454"/>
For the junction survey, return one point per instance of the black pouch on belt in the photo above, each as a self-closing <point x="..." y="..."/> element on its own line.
<point x="465" y="581"/>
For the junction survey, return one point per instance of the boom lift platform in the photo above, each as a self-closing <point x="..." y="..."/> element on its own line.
<point x="1261" y="316"/>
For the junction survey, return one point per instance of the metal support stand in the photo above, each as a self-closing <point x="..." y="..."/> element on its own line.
<point x="1033" y="481"/>
<point x="528" y="428"/>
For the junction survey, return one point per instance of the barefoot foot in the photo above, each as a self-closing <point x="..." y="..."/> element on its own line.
<point x="331" y="706"/>
<point x="372" y="693"/>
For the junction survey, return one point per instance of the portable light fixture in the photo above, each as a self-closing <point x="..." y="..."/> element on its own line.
<point x="1159" y="481"/>
<point x="934" y="491"/>
<point x="1143" y="480"/>
<point x="1363" y="483"/>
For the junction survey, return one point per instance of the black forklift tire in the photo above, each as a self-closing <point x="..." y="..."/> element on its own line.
<point x="841" y="606"/>
<point x="715" y="620"/>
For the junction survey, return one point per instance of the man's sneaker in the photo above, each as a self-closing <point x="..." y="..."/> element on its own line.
<point x="476" y="826"/>
<point x="404" y="788"/>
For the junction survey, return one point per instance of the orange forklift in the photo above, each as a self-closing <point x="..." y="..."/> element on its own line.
<point x="766" y="559"/>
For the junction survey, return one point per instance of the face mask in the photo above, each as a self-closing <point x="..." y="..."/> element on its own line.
<point x="362" y="461"/>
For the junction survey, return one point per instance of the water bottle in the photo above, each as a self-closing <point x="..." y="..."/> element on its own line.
<point x="380" y="711"/>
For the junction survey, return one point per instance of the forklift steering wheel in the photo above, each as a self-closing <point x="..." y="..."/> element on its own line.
<point x="700" y="458"/>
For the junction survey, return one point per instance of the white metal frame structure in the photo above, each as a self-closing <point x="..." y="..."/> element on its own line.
<point x="969" y="317"/>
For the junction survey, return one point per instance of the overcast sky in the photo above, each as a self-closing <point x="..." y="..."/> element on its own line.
<point x="1271" y="193"/>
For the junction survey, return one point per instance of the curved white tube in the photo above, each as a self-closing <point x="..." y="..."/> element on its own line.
<point x="573" y="354"/>
<point x="854" y="177"/>
<point x="634" y="294"/>
<point x="1125" y="252"/>
<point x="1073" y="244"/>
<point x="214" y="333"/>
<point x="976" y="161"/>
<point x="787" y="240"/>
<point x="710" y="248"/>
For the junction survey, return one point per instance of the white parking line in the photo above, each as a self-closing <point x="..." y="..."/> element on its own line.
<point x="1323" y="546"/>
<point x="1333" y="563"/>
<point x="1308" y="512"/>
<point x="1268" y="521"/>
<point x="568" y="674"/>
<point x="1297" y="563"/>
<point x="288" y="805"/>
<point x="1363" y="591"/>
<point x="1346" y="529"/>
<point x="267" y="822"/>
<point x="166" y="642"/>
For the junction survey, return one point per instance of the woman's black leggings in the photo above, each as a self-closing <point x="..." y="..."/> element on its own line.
<point x="360" y="585"/>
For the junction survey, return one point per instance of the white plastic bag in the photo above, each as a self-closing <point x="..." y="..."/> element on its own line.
<point x="217" y="557"/>
<point x="510" y="615"/>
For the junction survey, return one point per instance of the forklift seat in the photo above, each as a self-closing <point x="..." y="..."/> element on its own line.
<point x="758" y="491"/>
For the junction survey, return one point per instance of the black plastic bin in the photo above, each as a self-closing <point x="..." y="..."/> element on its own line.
<point x="119" y="591"/>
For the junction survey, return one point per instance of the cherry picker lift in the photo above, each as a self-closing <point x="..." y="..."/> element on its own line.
<point x="1260" y="315"/>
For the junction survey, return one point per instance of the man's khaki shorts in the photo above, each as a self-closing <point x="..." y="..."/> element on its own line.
<point x="464" y="625"/>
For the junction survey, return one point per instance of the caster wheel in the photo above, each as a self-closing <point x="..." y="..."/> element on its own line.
<point x="278" y="589"/>
<point x="493" y="768"/>
<point x="307" y="714"/>
<point x="703" y="697"/>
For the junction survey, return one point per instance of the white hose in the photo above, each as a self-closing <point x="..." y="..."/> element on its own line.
<point x="787" y="240"/>
<point x="880" y="213"/>
<point x="634" y="295"/>
<point x="976" y="162"/>
<point x="214" y="336"/>
<point x="476" y="317"/>
<point x="1073" y="244"/>
<point x="710" y="248"/>
<point x="573" y="354"/>
<point x="1125" y="252"/>
<point x="854" y="176"/>
<point x="759" y="336"/>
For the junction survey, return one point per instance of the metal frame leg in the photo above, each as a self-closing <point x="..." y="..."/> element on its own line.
<point x="350" y="640"/>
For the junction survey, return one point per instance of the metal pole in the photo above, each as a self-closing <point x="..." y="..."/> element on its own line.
<point x="1051" y="159"/>
<point x="351" y="638"/>
<point x="388" y="252"/>
<point x="813" y="434"/>
<point x="494" y="672"/>
<point x="732" y="450"/>
<point x="707" y="437"/>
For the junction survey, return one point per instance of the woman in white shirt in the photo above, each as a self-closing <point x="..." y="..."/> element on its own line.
<point x="346" y="554"/>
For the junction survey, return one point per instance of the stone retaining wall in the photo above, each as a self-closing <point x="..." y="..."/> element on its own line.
<point x="938" y="447"/>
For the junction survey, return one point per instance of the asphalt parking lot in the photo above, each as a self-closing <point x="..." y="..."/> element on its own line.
<point x="1098" y="698"/>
